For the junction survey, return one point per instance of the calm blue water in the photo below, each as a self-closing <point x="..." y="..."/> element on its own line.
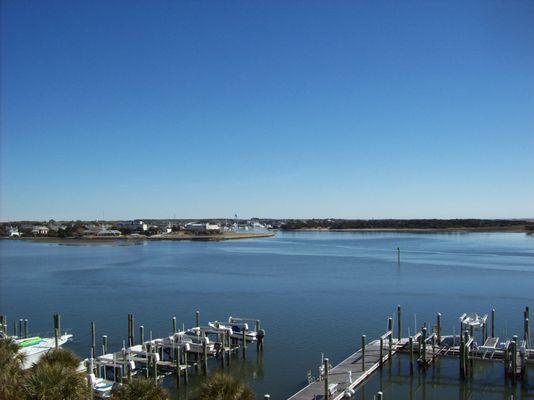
<point x="314" y="292"/>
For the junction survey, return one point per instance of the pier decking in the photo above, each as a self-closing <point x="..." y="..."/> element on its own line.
<point x="351" y="372"/>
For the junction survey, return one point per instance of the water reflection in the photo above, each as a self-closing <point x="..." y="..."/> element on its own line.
<point x="441" y="382"/>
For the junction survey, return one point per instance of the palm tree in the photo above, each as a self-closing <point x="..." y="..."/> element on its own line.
<point x="11" y="374"/>
<point x="139" y="389"/>
<point x="55" y="377"/>
<point x="225" y="387"/>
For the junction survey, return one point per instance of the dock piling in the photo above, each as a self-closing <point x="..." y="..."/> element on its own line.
<point x="492" y="322"/>
<point x="399" y="322"/>
<point x="411" y="354"/>
<point x="423" y="341"/>
<point x="104" y="344"/>
<point x="438" y="318"/>
<point x="398" y="255"/>
<point x="390" y="336"/>
<point x="93" y="339"/>
<point x="244" y="338"/>
<point x="381" y="361"/>
<point x="204" y="357"/>
<point x="21" y="332"/>
<point x="326" y="365"/>
<point x="173" y="325"/>
<point x="363" y="352"/>
<point x="14" y="327"/>
<point x="197" y="318"/>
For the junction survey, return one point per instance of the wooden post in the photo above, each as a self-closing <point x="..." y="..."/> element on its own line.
<point x="244" y="342"/>
<point x="326" y="372"/>
<point x="104" y="344"/>
<point x="197" y="318"/>
<point x="424" y="345"/>
<point x="142" y="335"/>
<point x="26" y="330"/>
<point x="205" y="357"/>
<point x="21" y="332"/>
<point x="381" y="361"/>
<point x="155" y="366"/>
<point x="177" y="362"/>
<point x="59" y="323"/>
<point x="173" y="325"/>
<point x="466" y="352"/>
<point x="57" y="332"/>
<point x="493" y="323"/>
<point x="526" y="327"/>
<point x="14" y="327"/>
<point x="462" y="350"/>
<point x="514" y="359"/>
<point x="398" y="255"/>
<point x="390" y="337"/>
<point x="186" y="371"/>
<point x="258" y="339"/>
<point x="439" y="328"/>
<point x="132" y="336"/>
<point x="93" y="339"/>
<point x="363" y="352"/>
<point x="399" y="323"/>
<point x="411" y="354"/>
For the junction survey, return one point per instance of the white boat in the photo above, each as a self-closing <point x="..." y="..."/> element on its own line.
<point x="236" y="330"/>
<point x="33" y="348"/>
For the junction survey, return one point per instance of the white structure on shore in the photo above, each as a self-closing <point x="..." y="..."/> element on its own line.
<point x="133" y="226"/>
<point x="40" y="230"/>
<point x="197" y="227"/>
<point x="14" y="232"/>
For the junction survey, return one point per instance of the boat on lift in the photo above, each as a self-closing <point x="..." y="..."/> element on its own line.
<point x="35" y="347"/>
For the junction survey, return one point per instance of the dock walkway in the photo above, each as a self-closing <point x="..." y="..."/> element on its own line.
<point x="338" y="377"/>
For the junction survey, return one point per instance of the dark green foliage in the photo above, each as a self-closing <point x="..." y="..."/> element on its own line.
<point x="225" y="387"/>
<point x="139" y="389"/>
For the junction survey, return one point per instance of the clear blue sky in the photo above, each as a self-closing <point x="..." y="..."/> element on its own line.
<point x="357" y="109"/>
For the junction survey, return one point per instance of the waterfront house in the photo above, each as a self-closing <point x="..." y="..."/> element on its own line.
<point x="14" y="232"/>
<point x="40" y="230"/>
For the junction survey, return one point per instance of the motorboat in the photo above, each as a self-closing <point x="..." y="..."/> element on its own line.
<point x="35" y="347"/>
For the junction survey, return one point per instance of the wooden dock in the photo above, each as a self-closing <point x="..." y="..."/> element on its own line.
<point x="351" y="372"/>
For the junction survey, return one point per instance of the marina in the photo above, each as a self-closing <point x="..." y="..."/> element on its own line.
<point x="306" y="288"/>
<point x="341" y="381"/>
<point x="179" y="354"/>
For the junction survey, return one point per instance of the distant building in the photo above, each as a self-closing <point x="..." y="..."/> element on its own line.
<point x="14" y="232"/>
<point x="133" y="226"/>
<point x="40" y="231"/>
<point x="108" y="233"/>
<point x="197" y="227"/>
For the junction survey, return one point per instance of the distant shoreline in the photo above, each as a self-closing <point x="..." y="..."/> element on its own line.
<point x="140" y="239"/>
<point x="511" y="229"/>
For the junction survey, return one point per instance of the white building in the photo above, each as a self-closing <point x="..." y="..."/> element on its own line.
<point x="40" y="230"/>
<point x="133" y="226"/>
<point x="14" y="232"/>
<point x="198" y="227"/>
